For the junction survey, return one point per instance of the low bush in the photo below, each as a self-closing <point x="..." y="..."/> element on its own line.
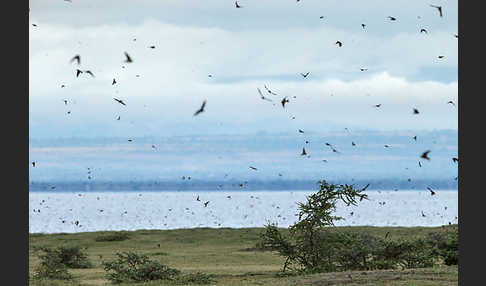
<point x="51" y="266"/>
<point x="131" y="267"/>
<point x="115" y="236"/>
<point x="446" y="245"/>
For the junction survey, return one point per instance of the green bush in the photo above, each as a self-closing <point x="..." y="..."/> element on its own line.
<point x="446" y="244"/>
<point x="311" y="247"/>
<point x="416" y="253"/>
<point x="73" y="257"/>
<point x="115" y="236"/>
<point x="51" y="266"/>
<point x="131" y="267"/>
<point x="195" y="278"/>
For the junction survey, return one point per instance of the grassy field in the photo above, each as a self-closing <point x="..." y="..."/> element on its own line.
<point x="228" y="254"/>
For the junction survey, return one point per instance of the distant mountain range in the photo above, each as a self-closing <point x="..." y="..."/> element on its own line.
<point x="274" y="185"/>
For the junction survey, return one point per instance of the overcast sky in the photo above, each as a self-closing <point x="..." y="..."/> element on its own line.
<point x="268" y="42"/>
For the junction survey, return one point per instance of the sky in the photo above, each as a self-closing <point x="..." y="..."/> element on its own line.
<point x="265" y="43"/>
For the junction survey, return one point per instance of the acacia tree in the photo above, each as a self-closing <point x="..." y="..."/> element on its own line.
<point x="304" y="249"/>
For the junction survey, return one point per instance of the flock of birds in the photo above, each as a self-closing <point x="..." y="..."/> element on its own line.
<point x="268" y="96"/>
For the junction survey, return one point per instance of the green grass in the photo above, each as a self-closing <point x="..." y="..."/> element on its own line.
<point x="228" y="254"/>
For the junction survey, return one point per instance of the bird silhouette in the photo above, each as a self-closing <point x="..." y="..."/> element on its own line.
<point x="387" y="146"/>
<point x="353" y="144"/>
<point x="201" y="109"/>
<point x="269" y="91"/>
<point x="431" y="191"/>
<point x="118" y="117"/>
<point x="423" y="31"/>
<point x="440" y="57"/>
<point x="262" y="96"/>
<point x="128" y="58"/>
<point x="415" y="137"/>
<point x="284" y="100"/>
<point x="455" y="160"/>
<point x="438" y="8"/>
<point x="237" y="5"/>
<point x="423" y="215"/>
<point x="119" y="101"/>
<point x="451" y="102"/>
<point x="76" y="58"/>
<point x="152" y="47"/>
<point x="65" y="101"/>
<point x="415" y="111"/>
<point x="78" y="72"/>
<point x="321" y="17"/>
<point x="339" y="43"/>
<point x="420" y="164"/>
<point x="363" y="25"/>
<point x="33" y="164"/>
<point x="301" y="131"/>
<point x="90" y="73"/>
<point x="303" y="152"/>
<point x="362" y="69"/>
<point x="253" y="168"/>
<point x="304" y="75"/>
<point x="206" y="204"/>
<point x="113" y="82"/>
<point x="425" y="155"/>
<point x="377" y="105"/>
<point x="392" y="18"/>
<point x="197" y="199"/>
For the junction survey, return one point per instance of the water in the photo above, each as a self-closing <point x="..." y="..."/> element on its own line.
<point x="97" y="211"/>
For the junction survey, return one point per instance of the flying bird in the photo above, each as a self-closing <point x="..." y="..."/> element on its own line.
<point x="363" y="25"/>
<point x="90" y="73"/>
<point x="33" y="164"/>
<point x="118" y="117"/>
<point x="377" y="105"/>
<point x="423" y="31"/>
<point x="114" y="82"/>
<point x="438" y="8"/>
<point x="119" y="101"/>
<point x="440" y="57"/>
<point x="415" y="111"/>
<point x="415" y="137"/>
<point x="262" y="96"/>
<point x="431" y="191"/>
<point x="321" y="17"/>
<point x="269" y="91"/>
<point x="450" y="101"/>
<point x="76" y="58"/>
<point x="303" y="152"/>
<point x="197" y="199"/>
<point x="238" y="6"/>
<point x="425" y="155"/>
<point x="34" y="25"/>
<point x="301" y="131"/>
<point x="363" y="69"/>
<point x="339" y="43"/>
<point x="392" y="18"/>
<point x="78" y="72"/>
<point x="455" y="160"/>
<point x="284" y="100"/>
<point x="304" y="75"/>
<point x="253" y="168"/>
<point x="206" y="204"/>
<point x="387" y="146"/>
<point x="152" y="47"/>
<point x="420" y="164"/>
<point x="364" y="189"/>
<point x="128" y="58"/>
<point x="201" y="109"/>
<point x="65" y="101"/>
<point x="353" y="144"/>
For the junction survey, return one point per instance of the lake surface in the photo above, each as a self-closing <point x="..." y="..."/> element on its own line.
<point x="70" y="212"/>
